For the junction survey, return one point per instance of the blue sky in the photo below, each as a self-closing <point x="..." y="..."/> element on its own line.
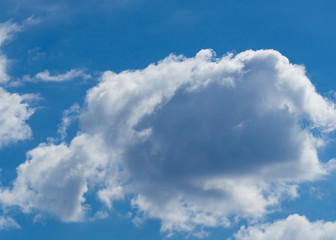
<point x="140" y="119"/>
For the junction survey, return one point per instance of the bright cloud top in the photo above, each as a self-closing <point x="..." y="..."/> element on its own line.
<point x="189" y="141"/>
<point x="294" y="227"/>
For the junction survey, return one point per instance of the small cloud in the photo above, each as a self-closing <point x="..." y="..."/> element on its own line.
<point x="14" y="111"/>
<point x="110" y="194"/>
<point x="45" y="76"/>
<point x="6" y="30"/>
<point x="35" y="54"/>
<point x="31" y="21"/>
<point x="8" y="223"/>
<point x="68" y="116"/>
<point x="98" y="215"/>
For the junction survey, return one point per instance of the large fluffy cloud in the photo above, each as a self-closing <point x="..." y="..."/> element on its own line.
<point x="190" y="141"/>
<point x="294" y="227"/>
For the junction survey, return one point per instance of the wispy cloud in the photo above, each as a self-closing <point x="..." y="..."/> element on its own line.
<point x="45" y="76"/>
<point x="31" y="21"/>
<point x="7" y="30"/>
<point x="8" y="223"/>
<point x="69" y="116"/>
<point x="14" y="108"/>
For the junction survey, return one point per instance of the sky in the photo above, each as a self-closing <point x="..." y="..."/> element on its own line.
<point x="142" y="119"/>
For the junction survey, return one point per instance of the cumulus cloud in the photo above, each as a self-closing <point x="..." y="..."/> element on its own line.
<point x="14" y="111"/>
<point x="46" y="77"/>
<point x="65" y="171"/>
<point x="294" y="227"/>
<point x="192" y="141"/>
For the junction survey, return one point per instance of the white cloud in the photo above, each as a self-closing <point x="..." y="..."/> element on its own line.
<point x="209" y="138"/>
<point x="3" y="67"/>
<point x="108" y="195"/>
<point x="55" y="178"/>
<point x="195" y="140"/>
<point x="14" y="111"/>
<point x="8" y="223"/>
<point x="294" y="227"/>
<point x="46" y="77"/>
<point x="6" y="30"/>
<point x="69" y="116"/>
<point x="32" y="20"/>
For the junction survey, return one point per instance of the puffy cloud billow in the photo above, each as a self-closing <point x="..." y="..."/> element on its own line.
<point x="190" y="141"/>
<point x="294" y="227"/>
<point x="14" y="111"/>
